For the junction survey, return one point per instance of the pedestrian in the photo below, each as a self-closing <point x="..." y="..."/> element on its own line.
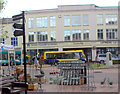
<point x="36" y="62"/>
<point x="10" y="61"/>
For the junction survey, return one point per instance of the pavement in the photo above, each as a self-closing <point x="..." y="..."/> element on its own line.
<point x="78" y="88"/>
<point x="99" y="73"/>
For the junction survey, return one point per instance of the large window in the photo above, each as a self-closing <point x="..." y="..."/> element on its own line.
<point x="76" y="20"/>
<point x="3" y="41"/>
<point x="14" y="41"/>
<point x="38" y="22"/>
<point x="42" y="22"/>
<point x="30" y="22"/>
<point x="100" y="34"/>
<point x="67" y="55"/>
<point x="85" y="19"/>
<point x="76" y="34"/>
<point x="31" y="36"/>
<point x="53" y="35"/>
<point x="111" y="19"/>
<point x="111" y="34"/>
<point x="66" y="20"/>
<point x="52" y="21"/>
<point x="99" y="19"/>
<point x="67" y="35"/>
<point x="86" y="34"/>
<point x="42" y="36"/>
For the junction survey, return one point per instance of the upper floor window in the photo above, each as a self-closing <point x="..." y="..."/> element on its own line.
<point x="53" y="35"/>
<point x="85" y="19"/>
<point x="3" y="41"/>
<point x="67" y="35"/>
<point x="38" y="22"/>
<point x="66" y="20"/>
<point x="42" y="36"/>
<point x="100" y="34"/>
<point x="30" y="22"/>
<point x="111" y="19"/>
<point x="99" y="19"/>
<point x="14" y="41"/>
<point x="86" y="34"/>
<point x="76" y="20"/>
<point x="52" y="21"/>
<point x="111" y="34"/>
<point x="42" y="22"/>
<point x="31" y="36"/>
<point x="76" y="34"/>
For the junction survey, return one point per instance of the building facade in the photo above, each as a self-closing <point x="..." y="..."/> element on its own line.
<point x="87" y="27"/>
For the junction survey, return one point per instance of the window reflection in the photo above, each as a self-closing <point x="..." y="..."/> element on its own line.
<point x="66" y="20"/>
<point x="111" y="19"/>
<point x="67" y="35"/>
<point x="70" y="55"/>
<point x="42" y="36"/>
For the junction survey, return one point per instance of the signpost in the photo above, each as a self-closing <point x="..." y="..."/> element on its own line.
<point x="20" y="31"/>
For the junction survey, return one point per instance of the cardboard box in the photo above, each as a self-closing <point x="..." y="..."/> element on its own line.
<point x="33" y="86"/>
<point x="18" y="70"/>
<point x="43" y="80"/>
<point x="35" y="79"/>
<point x="82" y="81"/>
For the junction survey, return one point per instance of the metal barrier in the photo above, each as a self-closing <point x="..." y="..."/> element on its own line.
<point x="72" y="72"/>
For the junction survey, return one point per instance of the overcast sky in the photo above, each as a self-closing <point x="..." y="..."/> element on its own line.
<point x="16" y="6"/>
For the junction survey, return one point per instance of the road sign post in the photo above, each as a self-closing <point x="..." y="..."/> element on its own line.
<point x="20" y="31"/>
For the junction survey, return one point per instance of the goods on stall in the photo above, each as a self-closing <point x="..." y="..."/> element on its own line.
<point x="18" y="70"/>
<point x="72" y="72"/>
<point x="33" y="86"/>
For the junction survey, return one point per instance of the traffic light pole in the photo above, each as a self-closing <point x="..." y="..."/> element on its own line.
<point x="24" y="49"/>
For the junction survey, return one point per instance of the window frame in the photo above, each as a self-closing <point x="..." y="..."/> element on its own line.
<point x="67" y="20"/>
<point x="52" y="21"/>
<point x="67" y="35"/>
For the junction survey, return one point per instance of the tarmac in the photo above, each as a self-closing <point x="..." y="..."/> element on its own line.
<point x="66" y="88"/>
<point x="46" y="87"/>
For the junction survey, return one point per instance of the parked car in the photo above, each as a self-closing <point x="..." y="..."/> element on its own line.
<point x="102" y="58"/>
<point x="114" y="57"/>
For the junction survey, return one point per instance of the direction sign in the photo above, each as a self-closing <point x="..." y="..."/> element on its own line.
<point x="18" y="26"/>
<point x="18" y="33"/>
<point x="17" y="17"/>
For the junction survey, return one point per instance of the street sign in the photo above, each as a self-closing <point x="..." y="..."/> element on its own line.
<point x="18" y="26"/>
<point x="18" y="33"/>
<point x="20" y="30"/>
<point x="17" y="17"/>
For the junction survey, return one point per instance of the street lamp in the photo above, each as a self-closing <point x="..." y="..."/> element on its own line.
<point x="37" y="46"/>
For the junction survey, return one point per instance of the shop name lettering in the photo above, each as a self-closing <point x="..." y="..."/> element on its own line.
<point x="78" y="43"/>
<point x="42" y="44"/>
<point x="106" y="42"/>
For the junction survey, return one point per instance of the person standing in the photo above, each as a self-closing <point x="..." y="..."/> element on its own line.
<point x="36" y="62"/>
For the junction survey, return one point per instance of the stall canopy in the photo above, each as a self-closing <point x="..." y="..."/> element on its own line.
<point x="6" y="47"/>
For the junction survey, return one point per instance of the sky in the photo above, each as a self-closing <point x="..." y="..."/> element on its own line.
<point x="14" y="7"/>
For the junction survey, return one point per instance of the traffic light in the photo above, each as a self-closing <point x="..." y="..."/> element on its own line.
<point x="18" y="27"/>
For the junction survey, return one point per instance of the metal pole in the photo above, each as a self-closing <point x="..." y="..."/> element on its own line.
<point x="24" y="48"/>
<point x="37" y="46"/>
<point x="85" y="74"/>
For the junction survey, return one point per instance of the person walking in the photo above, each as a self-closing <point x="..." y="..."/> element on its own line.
<point x="36" y="62"/>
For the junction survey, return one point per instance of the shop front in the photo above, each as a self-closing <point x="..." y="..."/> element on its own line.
<point x="90" y="48"/>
